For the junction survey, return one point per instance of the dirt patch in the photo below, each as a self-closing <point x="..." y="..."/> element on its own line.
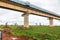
<point x="7" y="36"/>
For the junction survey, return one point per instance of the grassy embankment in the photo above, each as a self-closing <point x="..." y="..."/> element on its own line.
<point x="37" y="32"/>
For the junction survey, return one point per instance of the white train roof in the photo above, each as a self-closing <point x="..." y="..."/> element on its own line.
<point x="33" y="6"/>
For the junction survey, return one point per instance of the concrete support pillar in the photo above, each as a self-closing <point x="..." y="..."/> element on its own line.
<point x="51" y="22"/>
<point x="26" y="20"/>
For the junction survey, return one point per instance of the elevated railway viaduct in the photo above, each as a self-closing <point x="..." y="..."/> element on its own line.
<point x="28" y="9"/>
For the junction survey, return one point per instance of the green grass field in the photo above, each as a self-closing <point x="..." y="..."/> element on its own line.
<point x="37" y="32"/>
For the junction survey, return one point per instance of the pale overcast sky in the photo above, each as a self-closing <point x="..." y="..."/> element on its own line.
<point x="15" y="17"/>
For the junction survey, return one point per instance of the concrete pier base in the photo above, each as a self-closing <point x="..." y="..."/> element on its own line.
<point x="51" y="22"/>
<point x="26" y="20"/>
